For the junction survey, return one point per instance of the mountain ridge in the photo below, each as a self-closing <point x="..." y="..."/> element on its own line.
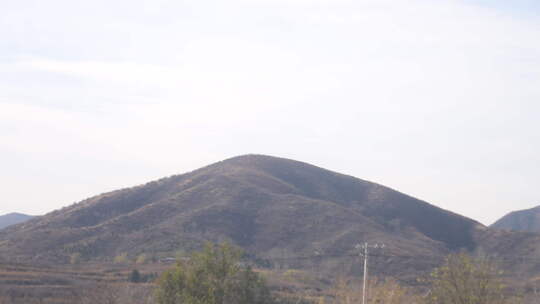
<point x="272" y="207"/>
<point x="526" y="220"/>
<point x="13" y="218"/>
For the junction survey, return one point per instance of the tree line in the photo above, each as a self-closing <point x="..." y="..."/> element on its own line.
<point x="217" y="275"/>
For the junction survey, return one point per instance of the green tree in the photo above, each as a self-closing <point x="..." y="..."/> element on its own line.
<point x="212" y="276"/>
<point x="134" y="276"/>
<point x="465" y="280"/>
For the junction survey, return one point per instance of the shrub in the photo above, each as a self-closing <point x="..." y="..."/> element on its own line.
<point x="121" y="258"/>
<point x="213" y="276"/>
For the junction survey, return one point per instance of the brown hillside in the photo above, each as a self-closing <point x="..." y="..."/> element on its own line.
<point x="522" y="220"/>
<point x="273" y="207"/>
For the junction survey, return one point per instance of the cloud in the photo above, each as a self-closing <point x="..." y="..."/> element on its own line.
<point x="118" y="72"/>
<point x="414" y="94"/>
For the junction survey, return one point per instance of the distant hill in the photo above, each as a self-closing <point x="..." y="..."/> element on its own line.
<point x="12" y="219"/>
<point x="276" y="209"/>
<point x="522" y="220"/>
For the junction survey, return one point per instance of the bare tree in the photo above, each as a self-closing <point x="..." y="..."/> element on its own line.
<point x="465" y="280"/>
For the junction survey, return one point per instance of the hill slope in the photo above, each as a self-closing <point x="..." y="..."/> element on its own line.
<point x="12" y="219"/>
<point x="272" y="207"/>
<point x="522" y="220"/>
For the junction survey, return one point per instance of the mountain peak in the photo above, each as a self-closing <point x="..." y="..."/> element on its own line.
<point x="254" y="160"/>
<point x="527" y="220"/>
<point x="250" y="157"/>
<point x="268" y="205"/>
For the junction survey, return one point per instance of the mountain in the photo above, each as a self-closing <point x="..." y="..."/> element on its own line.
<point x="12" y="219"/>
<point x="276" y="209"/>
<point x="522" y="220"/>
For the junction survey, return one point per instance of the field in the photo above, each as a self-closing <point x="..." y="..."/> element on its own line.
<point x="21" y="283"/>
<point x="110" y="283"/>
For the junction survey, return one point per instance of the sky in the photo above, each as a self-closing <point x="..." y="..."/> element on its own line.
<point x="439" y="99"/>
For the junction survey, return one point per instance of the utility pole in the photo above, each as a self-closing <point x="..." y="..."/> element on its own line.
<point x="365" y="273"/>
<point x="365" y="254"/>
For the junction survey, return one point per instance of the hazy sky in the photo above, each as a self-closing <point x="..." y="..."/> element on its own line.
<point x="439" y="99"/>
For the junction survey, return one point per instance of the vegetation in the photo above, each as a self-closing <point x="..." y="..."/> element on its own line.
<point x="216" y="275"/>
<point x="213" y="276"/>
<point x="465" y="280"/>
<point x="121" y="258"/>
<point x="378" y="291"/>
<point x="114" y="294"/>
<point x="134" y="276"/>
<point x="141" y="259"/>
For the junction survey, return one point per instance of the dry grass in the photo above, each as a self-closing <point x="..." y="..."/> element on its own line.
<point x="106" y="284"/>
<point x="86" y="283"/>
